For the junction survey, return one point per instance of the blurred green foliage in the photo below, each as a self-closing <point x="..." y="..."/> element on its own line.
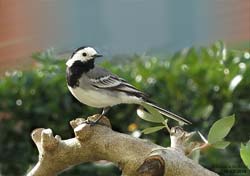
<point x="201" y="84"/>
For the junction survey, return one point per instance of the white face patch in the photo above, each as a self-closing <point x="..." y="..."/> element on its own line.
<point x="82" y="55"/>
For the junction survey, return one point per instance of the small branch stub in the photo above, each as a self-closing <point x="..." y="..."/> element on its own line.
<point x="49" y="142"/>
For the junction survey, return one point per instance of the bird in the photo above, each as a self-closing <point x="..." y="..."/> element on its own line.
<point x="99" y="88"/>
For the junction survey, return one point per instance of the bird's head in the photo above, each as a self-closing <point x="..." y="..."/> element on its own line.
<point x="83" y="54"/>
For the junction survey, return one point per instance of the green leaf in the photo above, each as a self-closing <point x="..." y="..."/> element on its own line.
<point x="152" y="116"/>
<point x="152" y="129"/>
<point x="220" y="144"/>
<point x="147" y="116"/>
<point x="245" y="154"/>
<point x="195" y="156"/>
<point x="220" y="129"/>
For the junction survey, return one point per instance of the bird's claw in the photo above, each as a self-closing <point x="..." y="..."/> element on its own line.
<point x="90" y="122"/>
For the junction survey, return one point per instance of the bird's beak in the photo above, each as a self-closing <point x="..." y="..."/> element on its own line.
<point x="97" y="55"/>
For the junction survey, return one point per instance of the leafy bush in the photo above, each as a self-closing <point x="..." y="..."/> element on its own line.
<point x="201" y="84"/>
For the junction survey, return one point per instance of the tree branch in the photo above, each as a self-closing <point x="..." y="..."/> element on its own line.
<point x="135" y="157"/>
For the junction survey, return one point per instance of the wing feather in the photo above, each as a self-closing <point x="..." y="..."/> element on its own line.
<point x="103" y="79"/>
<point x="105" y="82"/>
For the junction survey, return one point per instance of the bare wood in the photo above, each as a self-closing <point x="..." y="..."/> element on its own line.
<point x="135" y="157"/>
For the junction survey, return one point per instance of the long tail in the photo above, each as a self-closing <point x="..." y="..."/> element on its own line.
<point x="169" y="114"/>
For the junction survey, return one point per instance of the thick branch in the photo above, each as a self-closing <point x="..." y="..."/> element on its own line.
<point x="99" y="142"/>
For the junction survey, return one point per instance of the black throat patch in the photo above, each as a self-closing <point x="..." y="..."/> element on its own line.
<point x="76" y="70"/>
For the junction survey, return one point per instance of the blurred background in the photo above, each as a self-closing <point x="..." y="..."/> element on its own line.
<point x="191" y="56"/>
<point x="118" y="26"/>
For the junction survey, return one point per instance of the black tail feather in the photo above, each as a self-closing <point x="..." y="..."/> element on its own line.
<point x="169" y="114"/>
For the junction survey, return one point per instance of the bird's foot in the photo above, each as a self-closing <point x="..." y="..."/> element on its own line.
<point x="92" y="122"/>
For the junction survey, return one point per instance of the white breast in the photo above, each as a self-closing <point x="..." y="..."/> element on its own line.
<point x="103" y="98"/>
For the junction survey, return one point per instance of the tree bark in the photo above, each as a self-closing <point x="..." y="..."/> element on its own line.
<point x="135" y="157"/>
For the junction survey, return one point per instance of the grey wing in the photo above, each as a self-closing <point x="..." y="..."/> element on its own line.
<point x="103" y="79"/>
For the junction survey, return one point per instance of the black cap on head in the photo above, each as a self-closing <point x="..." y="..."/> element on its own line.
<point x="80" y="48"/>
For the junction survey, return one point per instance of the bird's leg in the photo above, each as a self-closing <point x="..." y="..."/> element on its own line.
<point x="104" y="111"/>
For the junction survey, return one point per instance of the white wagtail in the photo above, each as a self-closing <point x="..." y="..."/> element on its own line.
<point x="97" y="87"/>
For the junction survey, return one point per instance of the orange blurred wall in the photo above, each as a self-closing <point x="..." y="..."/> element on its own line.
<point x="19" y="30"/>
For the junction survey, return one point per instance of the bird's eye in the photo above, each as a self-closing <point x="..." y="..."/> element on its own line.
<point x="84" y="54"/>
